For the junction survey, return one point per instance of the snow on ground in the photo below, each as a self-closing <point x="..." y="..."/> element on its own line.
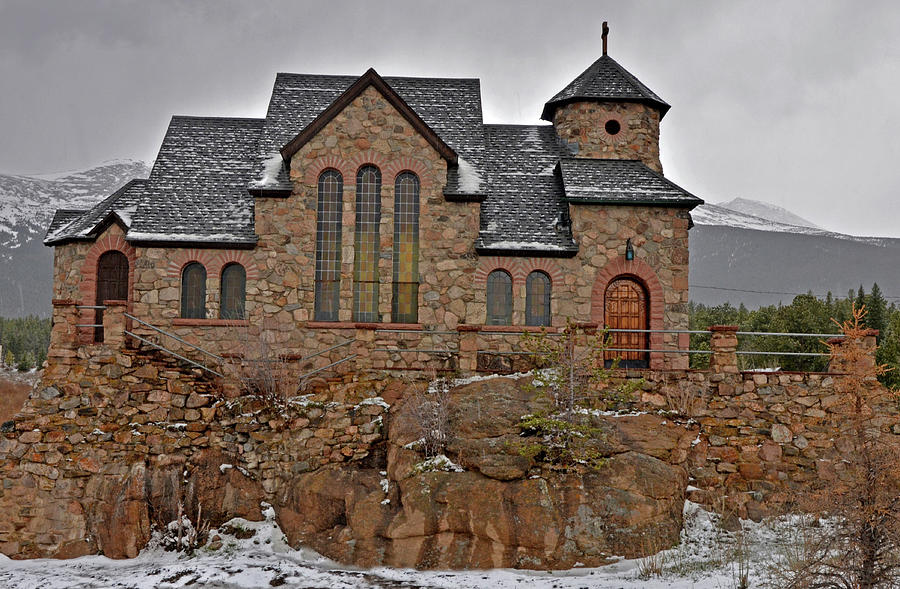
<point x="708" y="557"/>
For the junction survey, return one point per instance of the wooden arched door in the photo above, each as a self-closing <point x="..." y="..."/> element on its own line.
<point x="112" y="284"/>
<point x="627" y="307"/>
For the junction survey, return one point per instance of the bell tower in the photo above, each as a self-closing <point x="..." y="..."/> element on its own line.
<point x="607" y="113"/>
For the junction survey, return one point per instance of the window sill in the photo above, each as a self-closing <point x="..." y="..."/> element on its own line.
<point x="508" y="328"/>
<point x="358" y="325"/>
<point x="211" y="322"/>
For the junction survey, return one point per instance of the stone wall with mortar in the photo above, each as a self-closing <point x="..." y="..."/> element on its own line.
<point x="583" y="126"/>
<point x="101" y="411"/>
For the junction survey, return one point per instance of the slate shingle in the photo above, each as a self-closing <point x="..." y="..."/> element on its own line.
<point x="85" y="224"/>
<point x="524" y="208"/>
<point x="605" y="81"/>
<point x="450" y="106"/>
<point x="620" y="182"/>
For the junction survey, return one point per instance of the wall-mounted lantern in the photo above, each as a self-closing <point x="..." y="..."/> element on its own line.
<point x="629" y="251"/>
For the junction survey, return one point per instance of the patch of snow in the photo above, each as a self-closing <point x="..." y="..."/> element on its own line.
<point x="272" y="167"/>
<point x="224" y="467"/>
<point x="374" y="401"/>
<point x="524" y="245"/>
<point x="469" y="178"/>
<point x="439" y="463"/>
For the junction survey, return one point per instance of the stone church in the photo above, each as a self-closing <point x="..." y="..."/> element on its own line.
<point x="384" y="209"/>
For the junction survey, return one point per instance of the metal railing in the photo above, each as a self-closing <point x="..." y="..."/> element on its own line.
<point x="173" y="353"/>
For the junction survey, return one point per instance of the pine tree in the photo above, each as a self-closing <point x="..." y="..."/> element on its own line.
<point x="876" y="307"/>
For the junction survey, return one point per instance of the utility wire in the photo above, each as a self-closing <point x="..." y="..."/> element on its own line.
<point x="821" y="296"/>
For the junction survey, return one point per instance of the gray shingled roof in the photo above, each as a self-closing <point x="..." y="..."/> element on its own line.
<point x="524" y="209"/>
<point x="605" y="80"/>
<point x="197" y="190"/>
<point x="450" y="106"/>
<point x="85" y="224"/>
<point x="620" y="182"/>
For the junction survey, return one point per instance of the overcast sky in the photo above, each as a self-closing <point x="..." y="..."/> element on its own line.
<point x="794" y="102"/>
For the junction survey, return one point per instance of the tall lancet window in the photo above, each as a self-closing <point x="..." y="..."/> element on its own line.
<point x="328" y="245"/>
<point x="367" y="244"/>
<point x="405" y="303"/>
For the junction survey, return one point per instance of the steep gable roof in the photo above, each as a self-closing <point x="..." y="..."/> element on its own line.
<point x="605" y="81"/>
<point x="72" y="225"/>
<point x="451" y="107"/>
<point x="370" y="78"/>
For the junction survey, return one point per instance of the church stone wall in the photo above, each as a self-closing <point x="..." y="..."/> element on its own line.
<point x="583" y="124"/>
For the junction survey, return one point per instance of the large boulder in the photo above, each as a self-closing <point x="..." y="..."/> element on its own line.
<point x="503" y="510"/>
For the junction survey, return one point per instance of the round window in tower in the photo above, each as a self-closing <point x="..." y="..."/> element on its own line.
<point x="612" y="127"/>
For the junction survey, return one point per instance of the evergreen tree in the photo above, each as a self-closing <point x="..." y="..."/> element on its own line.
<point x="877" y="310"/>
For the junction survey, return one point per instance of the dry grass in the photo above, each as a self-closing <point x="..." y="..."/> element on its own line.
<point x="12" y="397"/>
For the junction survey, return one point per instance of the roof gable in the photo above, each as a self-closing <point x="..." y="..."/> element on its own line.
<point x="605" y="81"/>
<point x="370" y="78"/>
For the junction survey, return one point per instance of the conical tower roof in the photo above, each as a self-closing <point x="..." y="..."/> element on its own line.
<point x="605" y="81"/>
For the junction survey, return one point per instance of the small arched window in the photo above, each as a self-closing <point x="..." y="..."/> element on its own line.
<point x="405" y="302"/>
<point x="233" y="292"/>
<point x="499" y="298"/>
<point x="367" y="244"/>
<point x="328" y="245"/>
<point x="193" y="291"/>
<point x="537" y="299"/>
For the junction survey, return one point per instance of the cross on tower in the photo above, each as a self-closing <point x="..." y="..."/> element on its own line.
<point x="604" y="35"/>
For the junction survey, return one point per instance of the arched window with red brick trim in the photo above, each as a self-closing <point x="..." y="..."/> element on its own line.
<point x="405" y="300"/>
<point x="112" y="284"/>
<point x="537" y="299"/>
<point x="367" y="244"/>
<point x="499" y="298"/>
<point x="193" y="291"/>
<point x="328" y="245"/>
<point x="233" y="292"/>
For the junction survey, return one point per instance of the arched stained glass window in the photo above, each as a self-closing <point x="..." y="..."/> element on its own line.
<point x="537" y="299"/>
<point x="328" y="245"/>
<point x="499" y="298"/>
<point x="233" y="292"/>
<point x="405" y="301"/>
<point x="367" y="244"/>
<point x="193" y="291"/>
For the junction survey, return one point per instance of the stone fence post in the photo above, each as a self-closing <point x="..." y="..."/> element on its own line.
<point x="723" y="343"/>
<point x="114" y="323"/>
<point x="468" y="348"/>
<point x="854" y="355"/>
<point x="64" y="338"/>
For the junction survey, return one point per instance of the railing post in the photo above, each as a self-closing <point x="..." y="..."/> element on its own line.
<point x="468" y="348"/>
<point x="854" y="355"/>
<point x="723" y="343"/>
<point x="114" y="323"/>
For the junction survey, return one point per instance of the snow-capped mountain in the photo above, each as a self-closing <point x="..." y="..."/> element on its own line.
<point x="27" y="204"/>
<point x="750" y="252"/>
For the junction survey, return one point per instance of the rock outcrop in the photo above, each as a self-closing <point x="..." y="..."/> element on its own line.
<point x="503" y="510"/>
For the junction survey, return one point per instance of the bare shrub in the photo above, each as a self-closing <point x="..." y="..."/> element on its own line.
<point x="862" y="501"/>
<point x="680" y="400"/>
<point x="185" y="535"/>
<point x="261" y="369"/>
<point x="431" y="408"/>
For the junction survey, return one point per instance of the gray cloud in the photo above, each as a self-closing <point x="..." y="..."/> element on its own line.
<point x="790" y="102"/>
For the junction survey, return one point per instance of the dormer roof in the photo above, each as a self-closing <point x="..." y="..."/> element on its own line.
<point x="605" y="81"/>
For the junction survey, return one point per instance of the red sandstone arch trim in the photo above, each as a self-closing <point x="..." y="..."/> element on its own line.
<point x="88" y="286"/>
<point x="315" y="168"/>
<point x="518" y="268"/>
<point x="407" y="164"/>
<point x="643" y="273"/>
<point x="367" y="158"/>
<point x="213" y="260"/>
